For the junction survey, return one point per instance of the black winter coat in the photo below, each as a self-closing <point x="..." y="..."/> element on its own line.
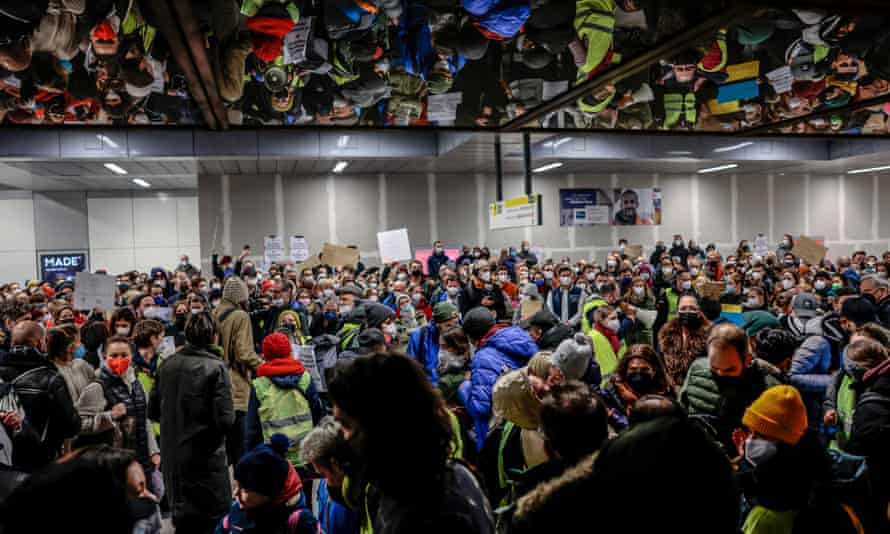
<point x="192" y="399"/>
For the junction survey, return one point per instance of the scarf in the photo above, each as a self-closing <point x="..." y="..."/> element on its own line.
<point x="281" y="366"/>
<point x="292" y="486"/>
<point x="611" y="335"/>
<point x="267" y="35"/>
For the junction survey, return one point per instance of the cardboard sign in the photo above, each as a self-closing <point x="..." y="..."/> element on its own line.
<point x="633" y="251"/>
<point x="394" y="245"/>
<point x="810" y="250"/>
<point x="529" y="308"/>
<point x="339" y="256"/>
<point x="713" y="290"/>
<point x="93" y="291"/>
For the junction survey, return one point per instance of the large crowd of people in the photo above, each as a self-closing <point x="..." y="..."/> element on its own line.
<point x="498" y="391"/>
<point x="467" y="63"/>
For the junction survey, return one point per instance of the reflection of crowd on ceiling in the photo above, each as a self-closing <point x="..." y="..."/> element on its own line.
<point x="87" y="62"/>
<point x="780" y="65"/>
<point x="392" y="62"/>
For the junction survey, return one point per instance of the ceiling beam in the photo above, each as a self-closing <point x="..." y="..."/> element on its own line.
<point x="194" y="39"/>
<point x="634" y="65"/>
<point x="172" y="32"/>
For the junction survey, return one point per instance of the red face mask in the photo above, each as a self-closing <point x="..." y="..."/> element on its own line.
<point x="104" y="31"/>
<point x="119" y="366"/>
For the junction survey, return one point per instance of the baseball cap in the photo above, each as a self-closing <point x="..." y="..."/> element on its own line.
<point x="805" y="305"/>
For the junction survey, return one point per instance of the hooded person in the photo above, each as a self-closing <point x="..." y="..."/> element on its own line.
<point x="514" y="445"/>
<point x="283" y="399"/>
<point x="667" y="448"/>
<point x="270" y="495"/>
<point x="782" y="460"/>
<point x="236" y="340"/>
<point x="423" y="344"/>
<point x="499" y="348"/>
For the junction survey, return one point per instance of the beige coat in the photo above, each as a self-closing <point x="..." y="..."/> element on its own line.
<point x="236" y="339"/>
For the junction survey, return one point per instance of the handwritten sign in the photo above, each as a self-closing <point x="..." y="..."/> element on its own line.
<point x="93" y="291"/>
<point x="394" y="245"/>
<point x="810" y="250"/>
<point x="339" y="256"/>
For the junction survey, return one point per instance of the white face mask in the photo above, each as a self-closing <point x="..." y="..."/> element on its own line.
<point x="639" y="291"/>
<point x="581" y="286"/>
<point x="485" y="276"/>
<point x="613" y="325"/>
<point x="693" y="271"/>
<point x="391" y="329"/>
<point x="402" y="276"/>
<point x="453" y="291"/>
<point x="667" y="271"/>
<point x="687" y="285"/>
<point x="196" y="311"/>
<point x="752" y="302"/>
<point x="565" y="281"/>
<point x="122" y="331"/>
<point x="415" y="298"/>
<point x="328" y="292"/>
<point x="755" y="275"/>
<point x="819" y="285"/>
<point x="277" y="303"/>
<point x="548" y="275"/>
<point x="787" y="284"/>
<point x="759" y="450"/>
<point x="591" y="276"/>
<point x="503" y="277"/>
<point x="644" y="276"/>
<point x="372" y="298"/>
<point x="345" y="310"/>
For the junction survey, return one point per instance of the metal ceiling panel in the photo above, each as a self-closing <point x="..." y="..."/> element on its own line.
<point x="171" y="143"/>
<point x="93" y="144"/>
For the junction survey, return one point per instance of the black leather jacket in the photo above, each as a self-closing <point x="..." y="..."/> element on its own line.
<point x="49" y="410"/>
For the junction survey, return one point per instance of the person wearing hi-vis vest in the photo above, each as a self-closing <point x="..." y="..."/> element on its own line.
<point x="607" y="347"/>
<point x="283" y="399"/>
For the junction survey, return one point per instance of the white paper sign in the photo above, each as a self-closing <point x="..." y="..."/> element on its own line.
<point x="157" y="70"/>
<point x="299" y="249"/>
<point x="93" y="291"/>
<point x="306" y="355"/>
<point x="443" y="107"/>
<point x="761" y="246"/>
<point x="273" y="246"/>
<point x="553" y="89"/>
<point x="394" y="245"/>
<point x="781" y="79"/>
<point x="158" y="313"/>
<point x="296" y="42"/>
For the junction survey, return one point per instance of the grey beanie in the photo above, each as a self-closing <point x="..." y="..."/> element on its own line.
<point x="573" y="356"/>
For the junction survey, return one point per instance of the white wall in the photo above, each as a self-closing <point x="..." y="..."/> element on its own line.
<point x="722" y="209"/>
<point x="18" y="257"/>
<point x="124" y="230"/>
<point x="142" y="230"/>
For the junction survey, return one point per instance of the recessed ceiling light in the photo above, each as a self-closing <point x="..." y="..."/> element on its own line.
<point x="115" y="168"/>
<point x="872" y="169"/>
<point x="730" y="148"/>
<point x="718" y="169"/>
<point x="548" y="167"/>
<point x="141" y="183"/>
<point x="340" y="166"/>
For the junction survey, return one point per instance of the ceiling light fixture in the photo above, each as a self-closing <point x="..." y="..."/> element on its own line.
<point x="141" y="183"/>
<point x="557" y="143"/>
<point x="342" y="141"/>
<point x="115" y="168"/>
<point x="718" y="169"/>
<point x="730" y="148"/>
<point x="107" y="140"/>
<point x="548" y="167"/>
<point x="340" y="166"/>
<point x="872" y="169"/>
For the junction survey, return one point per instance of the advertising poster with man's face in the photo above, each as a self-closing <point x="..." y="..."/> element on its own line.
<point x="636" y="207"/>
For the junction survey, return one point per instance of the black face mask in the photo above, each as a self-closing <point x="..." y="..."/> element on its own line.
<point x="871" y="298"/>
<point x="642" y="383"/>
<point x="726" y="381"/>
<point x="690" y="319"/>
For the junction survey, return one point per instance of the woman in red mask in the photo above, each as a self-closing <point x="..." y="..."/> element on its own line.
<point x="119" y="394"/>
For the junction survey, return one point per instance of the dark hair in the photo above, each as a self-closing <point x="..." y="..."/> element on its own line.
<point x="876" y="332"/>
<point x="58" y="340"/>
<point x="456" y="340"/>
<point x="729" y="335"/>
<point x="73" y="484"/>
<point x="93" y="335"/>
<point x="200" y="329"/>
<point x="573" y="420"/>
<point x="649" y="407"/>
<point x="145" y="330"/>
<point x="775" y="345"/>
<point x="123" y="314"/>
<point x="116" y="339"/>
<point x="366" y="389"/>
<point x="647" y="354"/>
<point x="710" y="308"/>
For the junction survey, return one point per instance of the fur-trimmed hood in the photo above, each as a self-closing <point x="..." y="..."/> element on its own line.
<point x="677" y="355"/>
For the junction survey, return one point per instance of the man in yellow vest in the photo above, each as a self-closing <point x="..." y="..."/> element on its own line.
<point x="667" y="304"/>
<point x="283" y="399"/>
<point x="608" y="348"/>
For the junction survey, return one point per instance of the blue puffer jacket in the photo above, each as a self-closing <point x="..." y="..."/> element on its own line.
<point x="501" y="351"/>
<point x="427" y="351"/>
<point x="500" y="17"/>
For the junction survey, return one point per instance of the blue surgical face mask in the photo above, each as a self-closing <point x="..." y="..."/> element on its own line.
<point x="80" y="352"/>
<point x="330" y="316"/>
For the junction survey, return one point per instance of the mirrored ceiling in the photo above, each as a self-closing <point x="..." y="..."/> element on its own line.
<point x="712" y="66"/>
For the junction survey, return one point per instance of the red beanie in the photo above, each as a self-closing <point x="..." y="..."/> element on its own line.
<point x="267" y="36"/>
<point x="276" y="346"/>
<point x="267" y="284"/>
